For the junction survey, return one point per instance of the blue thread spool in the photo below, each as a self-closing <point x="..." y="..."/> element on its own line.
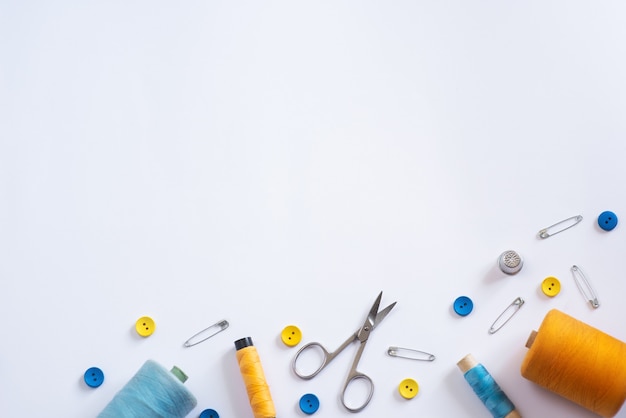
<point x="152" y="392"/>
<point x="487" y="389"/>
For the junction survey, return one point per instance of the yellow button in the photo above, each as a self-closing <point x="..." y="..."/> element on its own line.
<point x="408" y="388"/>
<point x="291" y="335"/>
<point x="551" y="286"/>
<point x="145" y="326"/>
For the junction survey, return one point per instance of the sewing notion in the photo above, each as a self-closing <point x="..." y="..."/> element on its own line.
<point x="374" y="317"/>
<point x="486" y="388"/>
<point x="577" y="362"/>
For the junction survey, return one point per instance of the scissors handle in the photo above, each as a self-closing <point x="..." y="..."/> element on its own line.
<point x="353" y="376"/>
<point x="327" y="356"/>
<point x="357" y="376"/>
<point x="314" y="346"/>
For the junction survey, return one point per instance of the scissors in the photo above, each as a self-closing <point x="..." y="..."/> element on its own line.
<point x="374" y="317"/>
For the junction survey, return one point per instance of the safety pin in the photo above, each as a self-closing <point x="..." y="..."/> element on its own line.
<point x="585" y="288"/>
<point x="563" y="225"/>
<point x="410" y="354"/>
<point x="516" y="305"/>
<point x="202" y="335"/>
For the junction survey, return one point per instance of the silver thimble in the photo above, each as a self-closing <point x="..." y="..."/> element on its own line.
<point x="510" y="262"/>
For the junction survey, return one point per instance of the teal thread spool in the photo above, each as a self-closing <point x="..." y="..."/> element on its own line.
<point x="152" y="392"/>
<point x="486" y="388"/>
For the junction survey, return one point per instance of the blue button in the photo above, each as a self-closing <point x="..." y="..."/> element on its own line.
<point x="309" y="403"/>
<point x="463" y="305"/>
<point x="607" y="220"/>
<point x="93" y="377"/>
<point x="209" y="413"/>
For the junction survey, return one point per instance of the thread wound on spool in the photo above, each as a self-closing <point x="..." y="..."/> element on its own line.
<point x="578" y="362"/>
<point x="254" y="379"/>
<point x="151" y="392"/>
<point x="486" y="388"/>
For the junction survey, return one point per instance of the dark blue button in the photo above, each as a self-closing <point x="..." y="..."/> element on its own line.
<point x="463" y="305"/>
<point x="309" y="403"/>
<point x="209" y="413"/>
<point x="607" y="220"/>
<point x="93" y="377"/>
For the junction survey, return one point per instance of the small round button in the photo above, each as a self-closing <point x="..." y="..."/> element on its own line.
<point x="209" y="413"/>
<point x="551" y="286"/>
<point x="93" y="377"/>
<point x="309" y="403"/>
<point x="291" y="335"/>
<point x="607" y="220"/>
<point x="145" y="326"/>
<point x="463" y="305"/>
<point x="408" y="388"/>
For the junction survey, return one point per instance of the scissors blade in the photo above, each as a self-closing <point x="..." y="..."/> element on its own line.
<point x="373" y="318"/>
<point x="382" y="314"/>
<point x="373" y="313"/>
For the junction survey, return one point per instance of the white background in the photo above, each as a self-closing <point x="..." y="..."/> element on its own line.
<point x="282" y="162"/>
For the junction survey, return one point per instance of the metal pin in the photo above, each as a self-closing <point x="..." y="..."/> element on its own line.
<point x="500" y="321"/>
<point x="206" y="333"/>
<point x="560" y="226"/>
<point x="584" y="286"/>
<point x="410" y="354"/>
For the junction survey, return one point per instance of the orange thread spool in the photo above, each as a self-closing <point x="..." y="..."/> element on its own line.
<point x="578" y="362"/>
<point x="254" y="379"/>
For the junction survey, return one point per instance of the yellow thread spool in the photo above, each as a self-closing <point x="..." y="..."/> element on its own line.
<point x="254" y="379"/>
<point x="578" y="362"/>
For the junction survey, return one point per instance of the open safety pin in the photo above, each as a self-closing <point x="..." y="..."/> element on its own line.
<point x="410" y="354"/>
<point x="513" y="307"/>
<point x="560" y="226"/>
<point x="584" y="286"/>
<point x="206" y="333"/>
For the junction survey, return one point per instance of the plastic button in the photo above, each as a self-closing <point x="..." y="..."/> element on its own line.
<point x="291" y="335"/>
<point x="463" y="305"/>
<point x="309" y="403"/>
<point x="209" y="413"/>
<point x="93" y="377"/>
<point x="551" y="286"/>
<point x="408" y="388"/>
<point x="607" y="220"/>
<point x="145" y="326"/>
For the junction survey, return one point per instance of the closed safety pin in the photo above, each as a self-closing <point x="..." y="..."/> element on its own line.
<point x="410" y="354"/>
<point x="513" y="308"/>
<point x="206" y="333"/>
<point x="584" y="286"/>
<point x="560" y="226"/>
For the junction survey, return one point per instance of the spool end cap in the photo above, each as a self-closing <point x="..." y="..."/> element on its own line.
<point x="243" y="343"/>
